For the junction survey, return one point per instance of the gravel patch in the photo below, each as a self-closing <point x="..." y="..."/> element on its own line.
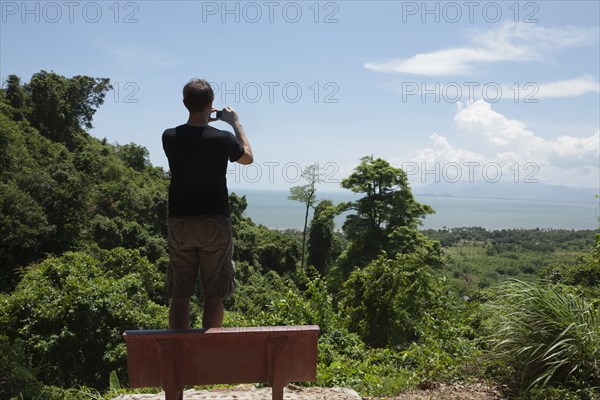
<point x="249" y="392"/>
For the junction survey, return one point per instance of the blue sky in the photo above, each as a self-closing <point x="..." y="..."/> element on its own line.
<point x="451" y="91"/>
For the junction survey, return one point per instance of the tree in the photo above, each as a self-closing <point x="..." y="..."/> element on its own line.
<point x="17" y="97"/>
<point x="585" y="273"/>
<point x="323" y="245"/>
<point x="23" y="227"/>
<point x="238" y="205"/>
<point x="61" y="107"/>
<point x="70" y="313"/>
<point x="388" y="301"/>
<point x="387" y="205"/>
<point x="134" y="156"/>
<point x="305" y="194"/>
<point x="259" y="246"/>
<point x="16" y="377"/>
<point x="77" y="194"/>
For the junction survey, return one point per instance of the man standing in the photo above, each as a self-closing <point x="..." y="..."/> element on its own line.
<point x="200" y="235"/>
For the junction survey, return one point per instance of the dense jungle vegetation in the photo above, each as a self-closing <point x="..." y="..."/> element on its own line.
<point x="83" y="258"/>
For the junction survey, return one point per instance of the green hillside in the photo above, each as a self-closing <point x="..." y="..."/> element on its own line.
<point x="83" y="258"/>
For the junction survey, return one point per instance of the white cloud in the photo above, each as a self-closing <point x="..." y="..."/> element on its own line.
<point x="440" y="151"/>
<point x="568" y="88"/>
<point x="566" y="160"/>
<point x="510" y="42"/>
<point x="500" y="131"/>
<point x="445" y="62"/>
<point x="526" y="92"/>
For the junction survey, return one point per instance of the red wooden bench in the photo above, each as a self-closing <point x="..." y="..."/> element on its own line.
<point x="172" y="359"/>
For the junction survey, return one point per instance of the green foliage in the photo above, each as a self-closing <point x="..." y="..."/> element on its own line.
<point x="305" y="194"/>
<point x="64" y="190"/>
<point x="388" y="204"/>
<point x="16" y="377"/>
<point x="71" y="311"/>
<point x="267" y="249"/>
<point x="134" y="156"/>
<point x="23" y="226"/>
<point x="276" y="251"/>
<point x="389" y="319"/>
<point x="537" y="240"/>
<point x="254" y="292"/>
<point x="313" y="306"/>
<point x="17" y="98"/>
<point x="547" y="335"/>
<point x="407" y="240"/>
<point x="269" y="300"/>
<point x="344" y="361"/>
<point x="343" y="358"/>
<point x="115" y="385"/>
<point x="390" y="299"/>
<point x="585" y="272"/>
<point x="61" y="107"/>
<point x="476" y="259"/>
<point x="58" y="393"/>
<point x="324" y="246"/>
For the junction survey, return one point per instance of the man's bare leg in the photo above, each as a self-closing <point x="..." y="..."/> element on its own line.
<point x="213" y="313"/>
<point x="179" y="313"/>
<point x="179" y="318"/>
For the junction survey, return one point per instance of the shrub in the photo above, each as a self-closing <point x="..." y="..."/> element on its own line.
<point x="548" y="335"/>
<point x="71" y="311"/>
<point x="16" y="378"/>
<point x="389" y="301"/>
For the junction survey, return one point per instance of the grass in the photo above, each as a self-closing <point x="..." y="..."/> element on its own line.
<point x="470" y="268"/>
<point x="548" y="335"/>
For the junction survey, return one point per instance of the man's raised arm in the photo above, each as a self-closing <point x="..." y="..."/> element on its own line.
<point x="230" y="116"/>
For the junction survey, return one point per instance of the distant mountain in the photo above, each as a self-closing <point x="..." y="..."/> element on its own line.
<point x="508" y="190"/>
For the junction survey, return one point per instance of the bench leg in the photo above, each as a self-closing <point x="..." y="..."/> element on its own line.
<point x="170" y="354"/>
<point x="277" y="393"/>
<point x="277" y="353"/>
<point x="173" y="394"/>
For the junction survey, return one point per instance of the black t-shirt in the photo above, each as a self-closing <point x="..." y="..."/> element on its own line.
<point x="198" y="162"/>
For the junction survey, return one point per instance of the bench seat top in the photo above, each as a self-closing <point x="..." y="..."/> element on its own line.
<point x="260" y="330"/>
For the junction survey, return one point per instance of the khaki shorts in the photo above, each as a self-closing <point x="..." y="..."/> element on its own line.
<point x="200" y="243"/>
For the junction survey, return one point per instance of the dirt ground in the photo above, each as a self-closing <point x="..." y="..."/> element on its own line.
<point x="250" y="392"/>
<point x="476" y="391"/>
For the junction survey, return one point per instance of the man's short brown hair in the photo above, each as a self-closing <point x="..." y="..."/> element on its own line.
<point x="197" y="95"/>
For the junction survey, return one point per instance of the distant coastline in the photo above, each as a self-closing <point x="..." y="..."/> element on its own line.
<point x="449" y="195"/>
<point x="272" y="209"/>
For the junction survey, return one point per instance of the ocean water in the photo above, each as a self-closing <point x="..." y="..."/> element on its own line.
<point x="274" y="210"/>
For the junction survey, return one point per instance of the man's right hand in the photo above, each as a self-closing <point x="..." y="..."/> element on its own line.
<point x="230" y="116"/>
